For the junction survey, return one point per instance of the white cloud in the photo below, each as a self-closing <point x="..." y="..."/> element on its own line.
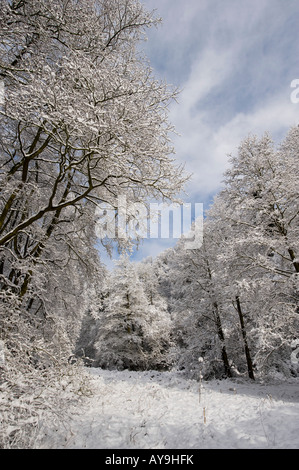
<point x="205" y="146"/>
<point x="234" y="62"/>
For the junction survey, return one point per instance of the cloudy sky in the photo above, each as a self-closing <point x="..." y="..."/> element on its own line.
<point x="234" y="61"/>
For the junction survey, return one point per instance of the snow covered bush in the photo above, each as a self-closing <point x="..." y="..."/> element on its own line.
<point x="39" y="388"/>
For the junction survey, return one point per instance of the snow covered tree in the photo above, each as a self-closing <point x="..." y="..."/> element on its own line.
<point x="95" y="299"/>
<point x="236" y="298"/>
<point x="159" y="322"/>
<point x="258" y="215"/>
<point x="83" y="120"/>
<point x="196" y="309"/>
<point x="134" y="333"/>
<point x="261" y="196"/>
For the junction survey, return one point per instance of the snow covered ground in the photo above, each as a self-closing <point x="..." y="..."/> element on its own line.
<point x="153" y="410"/>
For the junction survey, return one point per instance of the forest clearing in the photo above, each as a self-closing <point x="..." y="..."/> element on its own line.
<point x="152" y="410"/>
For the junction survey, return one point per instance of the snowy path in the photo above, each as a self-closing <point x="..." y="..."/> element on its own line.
<point x="154" y="410"/>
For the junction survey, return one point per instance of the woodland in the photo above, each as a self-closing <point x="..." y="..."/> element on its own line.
<point x="84" y="121"/>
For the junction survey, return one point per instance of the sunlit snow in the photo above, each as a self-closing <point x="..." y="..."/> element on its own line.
<point x="163" y="410"/>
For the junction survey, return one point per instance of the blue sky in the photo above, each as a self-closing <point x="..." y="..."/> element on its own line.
<point x="234" y="61"/>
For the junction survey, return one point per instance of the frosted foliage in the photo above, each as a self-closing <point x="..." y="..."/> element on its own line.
<point x="83" y="120"/>
<point x="134" y="332"/>
<point x="234" y="302"/>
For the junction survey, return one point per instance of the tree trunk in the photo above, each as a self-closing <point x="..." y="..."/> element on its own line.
<point x="246" y="347"/>
<point x="293" y="258"/>
<point x="220" y="333"/>
<point x="227" y="369"/>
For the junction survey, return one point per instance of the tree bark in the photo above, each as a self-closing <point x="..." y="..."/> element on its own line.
<point x="244" y="335"/>
<point x="220" y="333"/>
<point x="293" y="258"/>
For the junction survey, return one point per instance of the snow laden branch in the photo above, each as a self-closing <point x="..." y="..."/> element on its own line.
<point x="83" y="119"/>
<point x="235" y="301"/>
